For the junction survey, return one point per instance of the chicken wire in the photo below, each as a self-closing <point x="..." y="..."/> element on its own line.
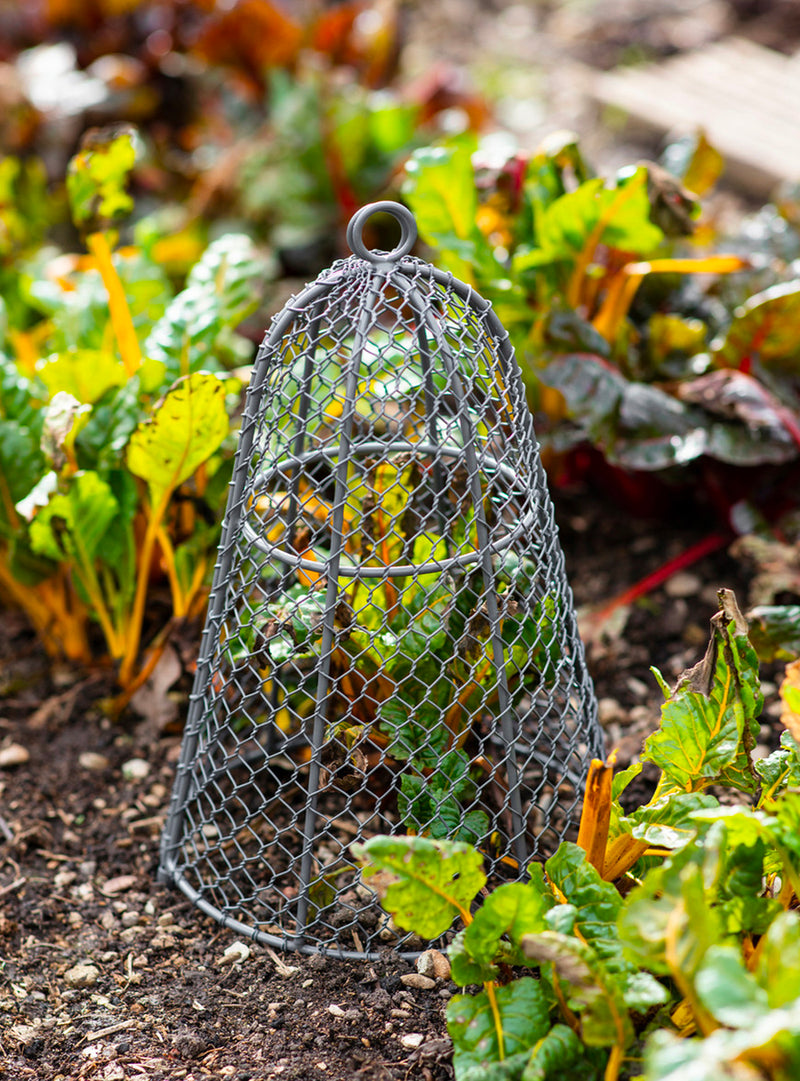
<point x="390" y="643"/>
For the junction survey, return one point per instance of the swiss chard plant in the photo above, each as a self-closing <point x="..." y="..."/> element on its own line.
<point x="665" y="943"/>
<point x="115" y="420"/>
<point x="634" y="334"/>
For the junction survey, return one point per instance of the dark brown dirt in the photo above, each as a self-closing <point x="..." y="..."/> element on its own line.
<point x="161" y="999"/>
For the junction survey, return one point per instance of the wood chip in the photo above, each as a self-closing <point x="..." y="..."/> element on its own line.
<point x="118" y="885"/>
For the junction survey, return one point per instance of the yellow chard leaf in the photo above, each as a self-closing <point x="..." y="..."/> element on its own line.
<point x="187" y="427"/>
<point x="790" y="695"/>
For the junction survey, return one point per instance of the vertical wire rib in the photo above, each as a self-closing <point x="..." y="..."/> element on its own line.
<point x="331" y="602"/>
<point x="507" y="727"/>
<point x="431" y="416"/>
<point x="218" y="600"/>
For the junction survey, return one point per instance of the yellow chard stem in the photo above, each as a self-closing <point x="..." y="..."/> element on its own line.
<point x="490" y="987"/>
<point x="121" y="319"/>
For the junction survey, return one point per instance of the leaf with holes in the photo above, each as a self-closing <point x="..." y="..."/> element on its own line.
<point x="187" y="427"/>
<point x="425" y="884"/>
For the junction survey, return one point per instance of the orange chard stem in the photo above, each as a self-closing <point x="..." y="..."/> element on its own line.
<point x="596" y="813"/>
<point x="179" y="604"/>
<point x="134" y="634"/>
<point x="121" y="319"/>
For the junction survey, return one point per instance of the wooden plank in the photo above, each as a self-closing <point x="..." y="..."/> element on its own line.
<point x="745" y="97"/>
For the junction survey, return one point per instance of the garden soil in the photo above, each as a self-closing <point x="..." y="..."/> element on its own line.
<point x="105" y="974"/>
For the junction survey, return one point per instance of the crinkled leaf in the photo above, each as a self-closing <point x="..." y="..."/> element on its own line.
<point x="186" y="428"/>
<point x="743" y="909"/>
<point x="709" y="724"/>
<point x="221" y="290"/>
<point x="424" y="884"/>
<point x="591" y="989"/>
<point x="675" y="898"/>
<point x="597" y="902"/>
<point x="619" y="216"/>
<point x="593" y="389"/>
<point x="523" y="1014"/>
<point x="554" y="1054"/>
<point x="112" y="421"/>
<point x="667" y="822"/>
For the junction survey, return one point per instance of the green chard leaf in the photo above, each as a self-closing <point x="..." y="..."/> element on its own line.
<point x="512" y="910"/>
<point x="728" y="991"/>
<point x="669" y="921"/>
<point x="22" y="465"/>
<point x="597" y="903"/>
<point x="522" y="1017"/>
<point x="424" y="884"/>
<point x="591" y="989"/>
<point x="778" y="967"/>
<point x="709" y="724"/>
<point x="74" y="523"/>
<point x="768" y="1047"/>
<point x="775" y="631"/>
<point x="764" y="329"/>
<point x="781" y="769"/>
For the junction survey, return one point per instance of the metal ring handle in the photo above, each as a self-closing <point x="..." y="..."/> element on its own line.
<point x="408" y="232"/>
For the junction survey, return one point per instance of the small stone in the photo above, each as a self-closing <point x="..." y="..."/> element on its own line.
<point x="163" y="941"/>
<point x="119" y="884"/>
<point x="135" y="769"/>
<point x="234" y="954"/>
<point x="683" y="584"/>
<point x="64" y="879"/>
<point x="129" y="918"/>
<point x="108" y="921"/>
<point x="421" y="983"/>
<point x="14" y="755"/>
<point x="412" y="1040"/>
<point x="335" y="1010"/>
<point x="433" y="964"/>
<point x="82" y="976"/>
<point x="93" y="761"/>
<point x="166" y="919"/>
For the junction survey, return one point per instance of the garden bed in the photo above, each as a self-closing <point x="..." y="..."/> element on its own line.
<point x="108" y="975"/>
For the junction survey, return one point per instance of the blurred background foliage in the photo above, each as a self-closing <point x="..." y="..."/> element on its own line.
<point x="171" y="169"/>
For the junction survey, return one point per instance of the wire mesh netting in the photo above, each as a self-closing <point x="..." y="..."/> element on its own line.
<point x="391" y="643"/>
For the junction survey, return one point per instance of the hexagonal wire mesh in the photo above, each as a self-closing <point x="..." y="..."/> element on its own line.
<point x="390" y="644"/>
